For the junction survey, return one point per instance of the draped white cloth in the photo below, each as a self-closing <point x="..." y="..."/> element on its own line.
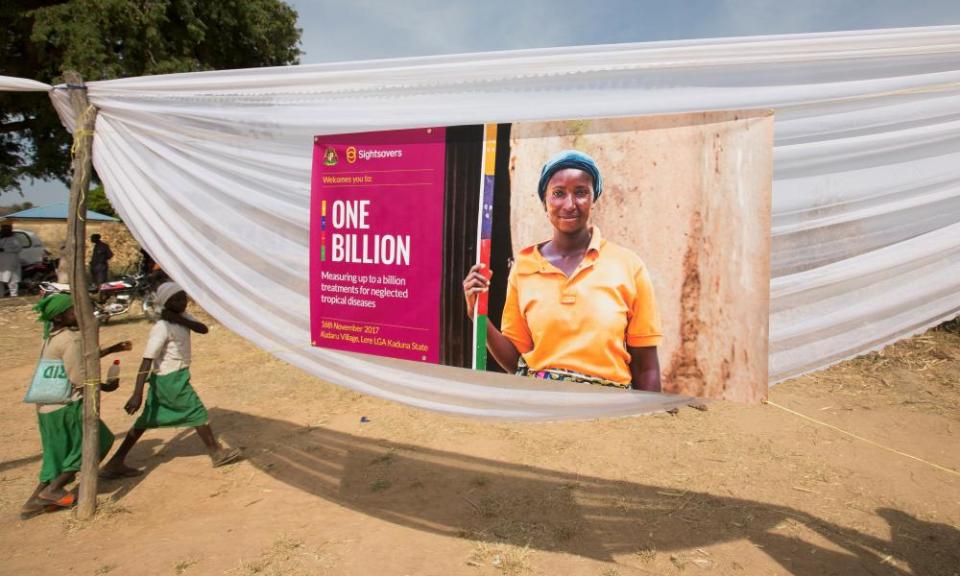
<point x="211" y="171"/>
<point x="11" y="84"/>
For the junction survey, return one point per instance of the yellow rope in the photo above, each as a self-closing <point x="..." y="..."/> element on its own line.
<point x="94" y="383"/>
<point x="79" y="131"/>
<point x="77" y="135"/>
<point x="862" y="439"/>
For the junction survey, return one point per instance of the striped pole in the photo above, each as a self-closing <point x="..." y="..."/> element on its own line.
<point x="484" y="233"/>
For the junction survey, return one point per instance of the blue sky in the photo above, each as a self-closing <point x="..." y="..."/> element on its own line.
<point x="363" y="29"/>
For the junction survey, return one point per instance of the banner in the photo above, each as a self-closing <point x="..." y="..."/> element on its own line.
<point x="376" y="222"/>
<point x="625" y="252"/>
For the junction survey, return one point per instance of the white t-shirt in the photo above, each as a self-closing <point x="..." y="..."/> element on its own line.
<point x="169" y="346"/>
<point x="10" y="259"/>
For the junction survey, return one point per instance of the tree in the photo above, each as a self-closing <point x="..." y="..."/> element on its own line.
<point x="14" y="208"/>
<point x="98" y="202"/>
<point x="104" y="39"/>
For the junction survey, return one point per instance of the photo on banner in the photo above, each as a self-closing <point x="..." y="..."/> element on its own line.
<point x="673" y="256"/>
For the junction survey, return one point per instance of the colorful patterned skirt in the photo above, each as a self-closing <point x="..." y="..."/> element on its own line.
<point x="564" y="375"/>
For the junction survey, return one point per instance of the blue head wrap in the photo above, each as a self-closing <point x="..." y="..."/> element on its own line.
<point x="570" y="159"/>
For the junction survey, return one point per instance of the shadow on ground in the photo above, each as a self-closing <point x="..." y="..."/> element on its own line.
<point x="458" y="495"/>
<point x="480" y="499"/>
<point x="185" y="443"/>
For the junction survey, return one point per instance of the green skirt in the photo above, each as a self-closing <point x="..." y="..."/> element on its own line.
<point x="61" y="435"/>
<point x="172" y="403"/>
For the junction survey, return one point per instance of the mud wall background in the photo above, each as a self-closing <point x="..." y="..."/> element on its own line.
<point x="53" y="234"/>
<point x="690" y="194"/>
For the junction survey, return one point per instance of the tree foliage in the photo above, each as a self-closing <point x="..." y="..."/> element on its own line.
<point x="13" y="208"/>
<point x="103" y="39"/>
<point x="98" y="202"/>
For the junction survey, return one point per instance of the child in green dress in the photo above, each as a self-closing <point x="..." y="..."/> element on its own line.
<point x="171" y="400"/>
<point x="61" y="425"/>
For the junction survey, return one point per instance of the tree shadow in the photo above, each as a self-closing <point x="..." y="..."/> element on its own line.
<point x="150" y="453"/>
<point x="11" y="464"/>
<point x="463" y="496"/>
<point x="124" y="319"/>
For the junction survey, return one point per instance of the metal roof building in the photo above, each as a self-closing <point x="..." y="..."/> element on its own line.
<point x="55" y="212"/>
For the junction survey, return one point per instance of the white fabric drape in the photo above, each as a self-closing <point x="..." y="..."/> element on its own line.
<point x="212" y="173"/>
<point x="11" y="84"/>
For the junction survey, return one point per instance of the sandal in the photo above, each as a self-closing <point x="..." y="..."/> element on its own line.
<point x="66" y="501"/>
<point x="36" y="507"/>
<point x="224" y="456"/>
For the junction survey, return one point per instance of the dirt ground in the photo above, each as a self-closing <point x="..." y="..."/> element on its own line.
<point x="734" y="490"/>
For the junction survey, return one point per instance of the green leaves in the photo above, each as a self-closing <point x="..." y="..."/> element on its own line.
<point x="104" y="39"/>
<point x="97" y="201"/>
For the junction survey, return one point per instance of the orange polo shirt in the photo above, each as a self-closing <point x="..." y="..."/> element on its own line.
<point x="584" y="322"/>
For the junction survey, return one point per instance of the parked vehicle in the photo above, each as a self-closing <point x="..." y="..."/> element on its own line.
<point x="33" y="250"/>
<point x="115" y="297"/>
<point x="36" y="263"/>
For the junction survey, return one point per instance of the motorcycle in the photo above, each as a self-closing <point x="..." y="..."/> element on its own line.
<point x="115" y="297"/>
<point x="33" y="275"/>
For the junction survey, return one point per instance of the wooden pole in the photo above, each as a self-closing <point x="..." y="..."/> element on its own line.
<point x="85" y="116"/>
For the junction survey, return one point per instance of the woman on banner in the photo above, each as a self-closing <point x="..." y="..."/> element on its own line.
<point x="579" y="307"/>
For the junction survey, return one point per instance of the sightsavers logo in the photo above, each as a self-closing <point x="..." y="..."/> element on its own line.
<point x="354" y="154"/>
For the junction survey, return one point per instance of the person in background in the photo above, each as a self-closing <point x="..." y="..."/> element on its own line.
<point x="99" y="261"/>
<point x="61" y="425"/>
<point x="171" y="401"/>
<point x="9" y="260"/>
<point x="63" y="273"/>
<point x="147" y="263"/>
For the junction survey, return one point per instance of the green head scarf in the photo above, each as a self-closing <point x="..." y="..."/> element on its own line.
<point x="49" y="308"/>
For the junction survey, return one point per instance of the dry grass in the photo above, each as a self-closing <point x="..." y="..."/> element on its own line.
<point x="646" y="554"/>
<point x="541" y="519"/>
<point x="487" y="506"/>
<point x="564" y="532"/>
<point x="184" y="565"/>
<point x="920" y="373"/>
<point x="108" y="512"/>
<point x="698" y="558"/>
<point x="287" y="556"/>
<point x="507" y="558"/>
<point x="479" y="481"/>
<point x="952" y="326"/>
<point x="385" y="459"/>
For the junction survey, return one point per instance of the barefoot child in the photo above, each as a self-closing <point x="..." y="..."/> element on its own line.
<point x="171" y="400"/>
<point x="61" y="424"/>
